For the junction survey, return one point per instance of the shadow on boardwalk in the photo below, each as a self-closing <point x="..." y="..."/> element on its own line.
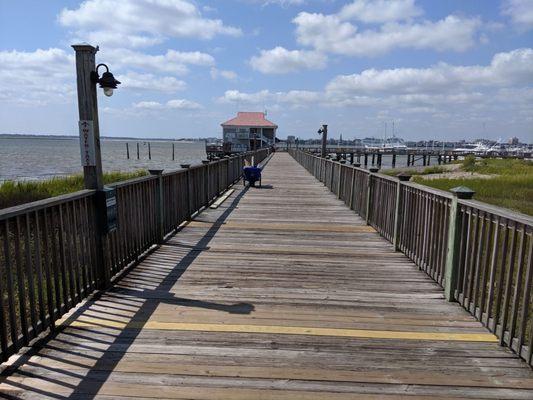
<point x="147" y="300"/>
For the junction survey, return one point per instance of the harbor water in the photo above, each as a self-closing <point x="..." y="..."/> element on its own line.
<point x="34" y="158"/>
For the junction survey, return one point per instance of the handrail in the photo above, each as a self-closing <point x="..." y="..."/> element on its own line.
<point x="37" y="205"/>
<point x="482" y="255"/>
<point x="54" y="252"/>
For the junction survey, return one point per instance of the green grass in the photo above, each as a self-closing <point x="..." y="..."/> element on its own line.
<point x="14" y="193"/>
<point x="511" y="187"/>
<point x="435" y="169"/>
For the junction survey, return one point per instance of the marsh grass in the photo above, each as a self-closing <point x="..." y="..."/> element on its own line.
<point x="13" y="193"/>
<point x="510" y="187"/>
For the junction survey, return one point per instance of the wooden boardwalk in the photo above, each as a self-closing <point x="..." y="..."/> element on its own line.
<point x="280" y="293"/>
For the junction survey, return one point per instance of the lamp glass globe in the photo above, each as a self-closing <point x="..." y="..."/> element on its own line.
<point x="108" y="92"/>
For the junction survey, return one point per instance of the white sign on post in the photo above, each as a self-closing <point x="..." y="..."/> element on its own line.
<point x="87" y="144"/>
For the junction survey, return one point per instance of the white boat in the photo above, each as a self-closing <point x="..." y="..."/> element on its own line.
<point x="473" y="148"/>
<point x="392" y="143"/>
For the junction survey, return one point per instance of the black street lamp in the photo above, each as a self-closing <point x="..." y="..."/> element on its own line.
<point x="107" y="81"/>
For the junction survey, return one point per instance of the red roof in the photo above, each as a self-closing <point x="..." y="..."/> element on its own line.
<point x="250" y="119"/>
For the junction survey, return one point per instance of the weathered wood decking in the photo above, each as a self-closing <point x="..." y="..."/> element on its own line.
<point x="280" y="293"/>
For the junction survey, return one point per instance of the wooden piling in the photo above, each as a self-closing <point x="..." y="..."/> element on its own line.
<point x="127" y="151"/>
<point x="149" y="151"/>
<point x="138" y="154"/>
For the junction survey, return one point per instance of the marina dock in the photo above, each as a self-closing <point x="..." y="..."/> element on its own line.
<point x="295" y="290"/>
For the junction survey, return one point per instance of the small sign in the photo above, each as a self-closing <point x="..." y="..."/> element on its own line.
<point x="111" y="209"/>
<point x="87" y="144"/>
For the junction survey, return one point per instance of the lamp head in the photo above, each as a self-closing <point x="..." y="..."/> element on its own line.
<point x="107" y="82"/>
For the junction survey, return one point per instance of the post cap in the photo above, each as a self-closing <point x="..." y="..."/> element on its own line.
<point x="185" y="165"/>
<point x="373" y="169"/>
<point x="205" y="161"/>
<point x="155" y="171"/>
<point x="402" y="176"/>
<point x="342" y="161"/>
<point x="463" y="192"/>
<point x="85" y="47"/>
<point x="357" y="164"/>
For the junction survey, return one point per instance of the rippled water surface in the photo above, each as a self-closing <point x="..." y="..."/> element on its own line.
<point x="42" y="158"/>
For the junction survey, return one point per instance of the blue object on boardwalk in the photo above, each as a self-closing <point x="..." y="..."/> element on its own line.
<point x="252" y="175"/>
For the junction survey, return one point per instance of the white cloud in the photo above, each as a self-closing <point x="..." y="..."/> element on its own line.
<point x="520" y="12"/>
<point x="329" y="33"/>
<point x="183" y="104"/>
<point x="135" y="23"/>
<point x="296" y="98"/>
<point x="136" y="81"/>
<point x="171" y="62"/>
<point x="37" y="77"/>
<point x="378" y="11"/>
<point x="515" y="67"/>
<point x="176" y="104"/>
<point x="282" y="3"/>
<point x="221" y="73"/>
<point x="149" y="105"/>
<point x="281" y="61"/>
<point x="502" y="83"/>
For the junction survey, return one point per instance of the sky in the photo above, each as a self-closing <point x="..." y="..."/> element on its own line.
<point x="444" y="70"/>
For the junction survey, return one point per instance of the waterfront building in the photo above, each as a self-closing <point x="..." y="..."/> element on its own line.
<point x="246" y="129"/>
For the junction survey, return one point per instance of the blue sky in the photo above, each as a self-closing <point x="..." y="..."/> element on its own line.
<point x="438" y="69"/>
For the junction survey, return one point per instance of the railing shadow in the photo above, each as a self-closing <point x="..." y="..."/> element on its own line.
<point x="138" y="306"/>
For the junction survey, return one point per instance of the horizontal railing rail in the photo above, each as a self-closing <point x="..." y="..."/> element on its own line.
<point x="482" y="255"/>
<point x="53" y="253"/>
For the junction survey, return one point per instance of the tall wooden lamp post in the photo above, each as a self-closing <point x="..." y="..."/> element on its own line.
<point x="324" y="132"/>
<point x="91" y="159"/>
<point x="87" y="79"/>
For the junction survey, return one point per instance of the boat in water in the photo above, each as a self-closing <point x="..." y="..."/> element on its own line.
<point x="392" y="143"/>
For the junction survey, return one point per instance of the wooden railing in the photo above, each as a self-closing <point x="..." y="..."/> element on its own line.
<point x="480" y="254"/>
<point x="52" y="254"/>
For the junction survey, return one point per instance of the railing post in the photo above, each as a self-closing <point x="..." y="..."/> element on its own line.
<point x="159" y="205"/>
<point x="228" y="180"/>
<point x="206" y="182"/>
<point x="371" y="172"/>
<point x="402" y="177"/>
<point x="352" y="187"/>
<point x="187" y="178"/>
<point x="454" y="237"/>
<point x="340" y="180"/>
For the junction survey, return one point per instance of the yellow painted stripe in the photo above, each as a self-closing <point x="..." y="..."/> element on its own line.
<point x="286" y="330"/>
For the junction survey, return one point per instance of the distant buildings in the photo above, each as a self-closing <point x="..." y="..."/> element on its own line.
<point x="246" y="129"/>
<point x="514" y="140"/>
